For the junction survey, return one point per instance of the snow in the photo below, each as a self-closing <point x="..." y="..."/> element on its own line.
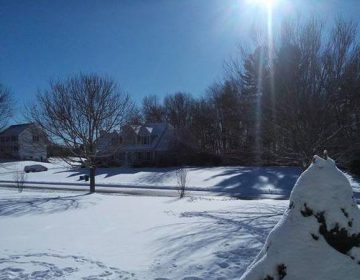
<point x="236" y="181"/>
<point x="254" y="182"/>
<point x="67" y="235"/>
<point x="311" y="241"/>
<point x="48" y="234"/>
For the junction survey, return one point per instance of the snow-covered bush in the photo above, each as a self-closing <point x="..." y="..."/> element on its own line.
<point x="319" y="234"/>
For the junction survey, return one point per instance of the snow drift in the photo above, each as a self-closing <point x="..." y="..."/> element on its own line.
<point x="318" y="236"/>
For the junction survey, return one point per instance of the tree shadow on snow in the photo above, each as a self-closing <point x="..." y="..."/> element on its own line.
<point x="233" y="237"/>
<point x="42" y="205"/>
<point x="241" y="182"/>
<point x="256" y="181"/>
<point x="155" y="174"/>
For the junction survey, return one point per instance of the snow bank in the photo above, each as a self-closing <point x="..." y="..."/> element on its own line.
<point x="319" y="234"/>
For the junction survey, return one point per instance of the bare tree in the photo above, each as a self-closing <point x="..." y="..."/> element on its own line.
<point x="181" y="176"/>
<point x="204" y="125"/>
<point x="152" y="109"/>
<point x="5" y="106"/>
<point x="306" y="89"/>
<point x="178" y="109"/>
<point x="225" y="101"/>
<point x="135" y="117"/>
<point x="19" y="179"/>
<point x="77" y="111"/>
<point x="312" y="103"/>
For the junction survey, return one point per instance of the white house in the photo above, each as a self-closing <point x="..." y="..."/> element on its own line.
<point x="24" y="142"/>
<point x="146" y="143"/>
<point x="137" y="144"/>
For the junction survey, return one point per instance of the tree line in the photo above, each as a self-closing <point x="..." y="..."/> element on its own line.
<point x="281" y="101"/>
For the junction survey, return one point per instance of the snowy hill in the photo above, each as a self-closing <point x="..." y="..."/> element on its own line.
<point x="318" y="237"/>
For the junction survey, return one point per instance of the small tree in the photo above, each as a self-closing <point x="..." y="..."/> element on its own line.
<point x="19" y="178"/>
<point x="181" y="176"/>
<point x="77" y="111"/>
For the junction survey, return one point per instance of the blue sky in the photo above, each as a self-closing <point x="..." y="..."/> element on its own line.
<point x="147" y="46"/>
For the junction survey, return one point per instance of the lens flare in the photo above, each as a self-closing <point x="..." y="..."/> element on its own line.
<point x="266" y="7"/>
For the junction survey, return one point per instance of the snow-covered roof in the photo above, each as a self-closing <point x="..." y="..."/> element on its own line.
<point x="161" y="133"/>
<point x="150" y="128"/>
<point x="16" y="129"/>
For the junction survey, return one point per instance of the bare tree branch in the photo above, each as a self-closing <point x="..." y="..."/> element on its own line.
<point x="77" y="111"/>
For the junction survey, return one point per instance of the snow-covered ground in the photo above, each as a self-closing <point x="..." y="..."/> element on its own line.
<point x="245" y="182"/>
<point x="48" y="234"/>
<point x="67" y="235"/>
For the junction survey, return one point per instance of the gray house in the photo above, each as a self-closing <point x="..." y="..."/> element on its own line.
<point x="23" y="142"/>
<point x="137" y="144"/>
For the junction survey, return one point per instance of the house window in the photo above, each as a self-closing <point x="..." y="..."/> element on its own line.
<point x="148" y="155"/>
<point x="139" y="155"/>
<point x="116" y="141"/>
<point x="14" y="138"/>
<point x="36" y="138"/>
<point x="145" y="140"/>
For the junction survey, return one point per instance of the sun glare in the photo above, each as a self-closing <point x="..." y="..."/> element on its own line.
<point x="265" y="3"/>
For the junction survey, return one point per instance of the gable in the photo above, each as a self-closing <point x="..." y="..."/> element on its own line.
<point x="15" y="130"/>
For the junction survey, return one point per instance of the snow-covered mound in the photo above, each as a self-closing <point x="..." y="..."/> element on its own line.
<point x="318" y="237"/>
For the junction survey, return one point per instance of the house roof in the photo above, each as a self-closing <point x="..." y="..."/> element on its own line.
<point x="160" y="133"/>
<point x="150" y="128"/>
<point x="158" y="130"/>
<point x="16" y="129"/>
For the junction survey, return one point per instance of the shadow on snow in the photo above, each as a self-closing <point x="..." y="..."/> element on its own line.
<point x="234" y="238"/>
<point x="256" y="181"/>
<point x="43" y="205"/>
<point x="241" y="182"/>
